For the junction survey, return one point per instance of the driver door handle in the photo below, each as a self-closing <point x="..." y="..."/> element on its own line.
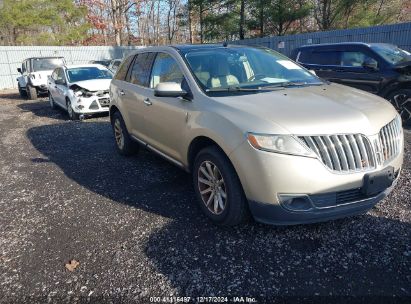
<point x="122" y="93"/>
<point x="148" y="102"/>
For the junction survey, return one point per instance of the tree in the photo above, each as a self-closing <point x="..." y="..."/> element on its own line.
<point x="42" y="22"/>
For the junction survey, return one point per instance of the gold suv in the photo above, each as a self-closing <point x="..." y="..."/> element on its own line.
<point x="260" y="134"/>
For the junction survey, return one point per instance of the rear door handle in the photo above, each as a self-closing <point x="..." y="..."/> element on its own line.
<point x="122" y="93"/>
<point x="148" y="102"/>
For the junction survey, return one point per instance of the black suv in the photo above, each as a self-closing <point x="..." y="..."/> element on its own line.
<point x="379" y="68"/>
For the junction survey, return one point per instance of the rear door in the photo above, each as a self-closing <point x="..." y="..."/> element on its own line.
<point x="132" y="92"/>
<point x="324" y="61"/>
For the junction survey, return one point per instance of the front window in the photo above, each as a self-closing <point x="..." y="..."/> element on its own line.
<point x="391" y="53"/>
<point x="165" y="69"/>
<point x="246" y="68"/>
<point x="46" y="64"/>
<point x="88" y="73"/>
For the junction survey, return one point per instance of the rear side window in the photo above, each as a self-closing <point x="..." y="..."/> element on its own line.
<point x="320" y="57"/>
<point x="140" y="70"/>
<point x="122" y="71"/>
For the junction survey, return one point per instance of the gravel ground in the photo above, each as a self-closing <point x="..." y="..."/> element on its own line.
<point x="134" y="227"/>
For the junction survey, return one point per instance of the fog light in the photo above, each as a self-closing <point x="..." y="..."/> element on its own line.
<point x="296" y="203"/>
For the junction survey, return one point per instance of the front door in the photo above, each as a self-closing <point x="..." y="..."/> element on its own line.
<point x="166" y="117"/>
<point x="353" y="73"/>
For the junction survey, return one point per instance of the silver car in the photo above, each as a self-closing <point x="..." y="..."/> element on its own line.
<point x="261" y="135"/>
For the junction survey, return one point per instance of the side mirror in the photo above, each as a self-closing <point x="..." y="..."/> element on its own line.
<point x="169" y="89"/>
<point x="370" y="64"/>
<point x="19" y="70"/>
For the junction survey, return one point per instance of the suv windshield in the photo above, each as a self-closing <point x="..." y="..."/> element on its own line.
<point x="46" y="64"/>
<point x="391" y="53"/>
<point x="88" y="73"/>
<point x="246" y="68"/>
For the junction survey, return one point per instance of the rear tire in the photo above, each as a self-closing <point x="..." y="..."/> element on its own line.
<point x="218" y="188"/>
<point x="31" y="92"/>
<point x="401" y="100"/>
<point x="124" y="143"/>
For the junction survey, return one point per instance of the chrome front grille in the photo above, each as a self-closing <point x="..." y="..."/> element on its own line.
<point x="388" y="144"/>
<point x="356" y="152"/>
<point x="352" y="152"/>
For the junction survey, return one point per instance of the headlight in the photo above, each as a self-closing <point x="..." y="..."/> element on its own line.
<point x="286" y="144"/>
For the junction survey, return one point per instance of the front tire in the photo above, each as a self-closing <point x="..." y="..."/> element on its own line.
<point x="51" y="101"/>
<point x="124" y="143"/>
<point x="31" y="92"/>
<point x="72" y="115"/>
<point x="401" y="100"/>
<point x="218" y="188"/>
<point x="23" y="94"/>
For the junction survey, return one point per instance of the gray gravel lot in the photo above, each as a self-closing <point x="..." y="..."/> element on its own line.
<point x="134" y="227"/>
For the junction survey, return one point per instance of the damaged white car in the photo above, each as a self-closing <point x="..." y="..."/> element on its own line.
<point x="81" y="90"/>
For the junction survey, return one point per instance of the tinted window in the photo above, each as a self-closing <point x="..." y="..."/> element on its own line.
<point x="354" y="59"/>
<point x="122" y="71"/>
<point x="141" y="69"/>
<point x="320" y="57"/>
<point x="88" y="73"/>
<point x="46" y="64"/>
<point x="165" y="69"/>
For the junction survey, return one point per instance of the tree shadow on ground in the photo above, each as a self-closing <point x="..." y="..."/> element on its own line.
<point x="363" y="255"/>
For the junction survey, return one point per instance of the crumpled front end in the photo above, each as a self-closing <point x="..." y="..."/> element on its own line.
<point x="89" y="102"/>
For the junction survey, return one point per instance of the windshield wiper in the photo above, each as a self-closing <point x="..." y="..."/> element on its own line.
<point x="234" y="89"/>
<point x="291" y="84"/>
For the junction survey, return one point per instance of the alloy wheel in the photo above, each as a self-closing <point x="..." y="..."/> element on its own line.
<point x="402" y="103"/>
<point x="212" y="187"/>
<point x="69" y="109"/>
<point x="118" y="134"/>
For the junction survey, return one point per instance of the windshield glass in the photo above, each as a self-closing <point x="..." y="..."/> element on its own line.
<point x="46" y="64"/>
<point x="245" y="67"/>
<point x="88" y="73"/>
<point x="391" y="53"/>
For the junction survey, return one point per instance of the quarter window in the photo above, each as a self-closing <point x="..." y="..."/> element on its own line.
<point x="122" y="71"/>
<point x="320" y="57"/>
<point x="165" y="69"/>
<point x="141" y="69"/>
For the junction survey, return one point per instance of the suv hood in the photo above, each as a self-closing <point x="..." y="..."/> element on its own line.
<point x="325" y="109"/>
<point x="94" y="84"/>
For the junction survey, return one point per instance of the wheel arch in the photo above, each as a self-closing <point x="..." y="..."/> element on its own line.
<point x="113" y="109"/>
<point x="197" y="144"/>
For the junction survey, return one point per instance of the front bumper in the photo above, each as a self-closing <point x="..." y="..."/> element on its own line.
<point x="265" y="176"/>
<point x="276" y="214"/>
<point x="92" y="105"/>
